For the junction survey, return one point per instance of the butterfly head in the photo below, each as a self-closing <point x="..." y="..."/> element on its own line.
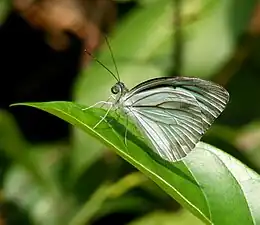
<point x="119" y="88"/>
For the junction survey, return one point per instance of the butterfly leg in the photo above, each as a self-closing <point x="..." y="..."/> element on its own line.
<point x="97" y="103"/>
<point x="103" y="117"/>
<point x="107" y="101"/>
<point x="101" y="102"/>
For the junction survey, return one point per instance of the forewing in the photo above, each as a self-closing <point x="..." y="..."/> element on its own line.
<point x="170" y="118"/>
<point x="211" y="97"/>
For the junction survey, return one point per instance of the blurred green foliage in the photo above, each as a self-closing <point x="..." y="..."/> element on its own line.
<point x="82" y="182"/>
<point x="5" y="6"/>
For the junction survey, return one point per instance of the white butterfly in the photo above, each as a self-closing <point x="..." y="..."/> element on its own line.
<point x="172" y="113"/>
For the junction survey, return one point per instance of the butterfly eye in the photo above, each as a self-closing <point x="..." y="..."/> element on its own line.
<point x="115" y="89"/>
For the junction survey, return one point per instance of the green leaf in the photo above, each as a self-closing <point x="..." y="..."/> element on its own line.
<point x="167" y="218"/>
<point x="212" y="185"/>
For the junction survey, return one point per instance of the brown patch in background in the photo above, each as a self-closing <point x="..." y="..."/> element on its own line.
<point x="87" y="19"/>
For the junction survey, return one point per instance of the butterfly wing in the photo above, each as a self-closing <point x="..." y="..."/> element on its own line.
<point x="171" y="119"/>
<point x="174" y="113"/>
<point x="212" y="98"/>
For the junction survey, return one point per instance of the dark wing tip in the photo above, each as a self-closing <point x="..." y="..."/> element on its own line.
<point x="213" y="85"/>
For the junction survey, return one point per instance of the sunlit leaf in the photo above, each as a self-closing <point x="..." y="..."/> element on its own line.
<point x="167" y="218"/>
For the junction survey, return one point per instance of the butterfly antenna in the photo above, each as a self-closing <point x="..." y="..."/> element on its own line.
<point x="112" y="56"/>
<point x="100" y="63"/>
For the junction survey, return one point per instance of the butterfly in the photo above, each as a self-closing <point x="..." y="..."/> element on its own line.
<point x="172" y="113"/>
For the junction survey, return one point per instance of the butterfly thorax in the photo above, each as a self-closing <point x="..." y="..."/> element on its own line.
<point x="119" y="89"/>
